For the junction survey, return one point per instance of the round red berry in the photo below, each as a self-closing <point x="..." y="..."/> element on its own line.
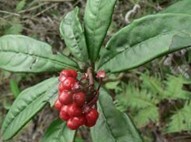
<point x="64" y="113"/>
<point x="90" y="123"/>
<point x="91" y="117"/>
<point x="73" y="123"/>
<point x="69" y="73"/>
<point x="57" y="105"/>
<point x="79" y="98"/>
<point x="74" y="110"/>
<point x="82" y="120"/>
<point x="68" y="83"/>
<point x="92" y="114"/>
<point x="73" y="73"/>
<point x="65" y="97"/>
<point x="62" y="78"/>
<point x="60" y="88"/>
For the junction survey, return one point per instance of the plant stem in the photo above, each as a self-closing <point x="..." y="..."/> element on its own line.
<point x="91" y="79"/>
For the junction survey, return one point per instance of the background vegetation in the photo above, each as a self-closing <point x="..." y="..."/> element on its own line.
<point x="156" y="96"/>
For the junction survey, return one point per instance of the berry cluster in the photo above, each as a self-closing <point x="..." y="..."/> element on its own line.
<point x="72" y="102"/>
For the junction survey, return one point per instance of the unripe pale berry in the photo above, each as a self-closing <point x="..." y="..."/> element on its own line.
<point x="101" y="74"/>
<point x="79" y="98"/>
<point x="65" y="97"/>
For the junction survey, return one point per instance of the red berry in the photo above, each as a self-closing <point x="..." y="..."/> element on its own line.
<point x="69" y="73"/>
<point x="64" y="113"/>
<point x="68" y="83"/>
<point x="73" y="73"/>
<point x="90" y="123"/>
<point x="65" y="97"/>
<point x="57" y="105"/>
<point x="62" y="78"/>
<point x="82" y="120"/>
<point x="92" y="114"/>
<point x="79" y="98"/>
<point x="60" y="88"/>
<point x="73" y="123"/>
<point x="74" y="110"/>
<point x="91" y="117"/>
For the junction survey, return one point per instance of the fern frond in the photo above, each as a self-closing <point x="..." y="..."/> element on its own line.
<point x="153" y="84"/>
<point x="181" y="120"/>
<point x="174" y="88"/>
<point x="135" y="99"/>
<point x="146" y="115"/>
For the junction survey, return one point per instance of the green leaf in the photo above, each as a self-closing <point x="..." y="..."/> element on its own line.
<point x="26" y="105"/>
<point x="20" y="5"/>
<point x="73" y="34"/>
<point x="112" y="124"/>
<point x="58" y="132"/>
<point x="97" y="19"/>
<point x="15" y="28"/>
<point x="53" y="92"/>
<point x="14" y="87"/>
<point x="182" y="6"/>
<point x="23" y="54"/>
<point x="146" y="39"/>
<point x="180" y="121"/>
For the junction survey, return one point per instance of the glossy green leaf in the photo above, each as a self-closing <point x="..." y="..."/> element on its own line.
<point x="73" y="35"/>
<point x="23" y="54"/>
<point x="146" y="39"/>
<point x="26" y="105"/>
<point x="53" y="92"/>
<point x="58" y="132"/>
<point x="182" y="6"/>
<point x="113" y="125"/>
<point x="97" y="19"/>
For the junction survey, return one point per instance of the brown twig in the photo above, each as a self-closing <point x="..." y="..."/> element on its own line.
<point x="91" y="79"/>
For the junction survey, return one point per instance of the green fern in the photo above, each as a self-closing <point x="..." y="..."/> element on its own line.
<point x="134" y="98"/>
<point x="153" y="84"/>
<point x="174" y="88"/>
<point x="146" y="115"/>
<point x="180" y="121"/>
<point x="143" y="102"/>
